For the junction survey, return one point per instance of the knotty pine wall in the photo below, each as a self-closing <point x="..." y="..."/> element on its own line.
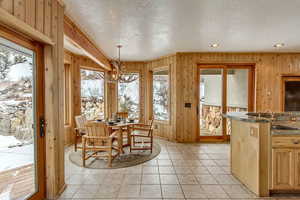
<point x="183" y="71"/>
<point x="268" y="70"/>
<point x="76" y="62"/>
<point x="46" y="16"/>
<point x="164" y="129"/>
<point x="161" y="129"/>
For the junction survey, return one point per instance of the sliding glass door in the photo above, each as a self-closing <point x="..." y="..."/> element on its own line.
<point x="21" y="111"/>
<point x="222" y="88"/>
<point x="210" y="102"/>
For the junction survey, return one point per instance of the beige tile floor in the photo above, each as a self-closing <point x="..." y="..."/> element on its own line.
<point x="181" y="171"/>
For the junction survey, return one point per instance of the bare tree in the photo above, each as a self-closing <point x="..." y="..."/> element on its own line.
<point x="9" y="58"/>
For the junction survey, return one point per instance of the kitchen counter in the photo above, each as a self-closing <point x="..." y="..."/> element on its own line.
<point x="242" y="116"/>
<point x="280" y="122"/>
<point x="265" y="151"/>
<point x="263" y="117"/>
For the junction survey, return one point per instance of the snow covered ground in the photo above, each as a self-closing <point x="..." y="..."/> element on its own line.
<point x="14" y="157"/>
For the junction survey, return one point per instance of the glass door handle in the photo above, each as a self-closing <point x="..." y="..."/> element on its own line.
<point x="42" y="127"/>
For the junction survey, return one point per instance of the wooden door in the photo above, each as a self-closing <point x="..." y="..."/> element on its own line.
<point x="297" y="169"/>
<point x="283" y="169"/>
<point x="222" y="88"/>
<point x="212" y="103"/>
<point x="22" y="161"/>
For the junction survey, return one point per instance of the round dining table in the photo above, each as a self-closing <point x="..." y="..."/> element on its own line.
<point x="122" y="127"/>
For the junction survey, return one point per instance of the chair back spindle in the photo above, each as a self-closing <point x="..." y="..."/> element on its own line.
<point x="80" y="121"/>
<point x="151" y="128"/>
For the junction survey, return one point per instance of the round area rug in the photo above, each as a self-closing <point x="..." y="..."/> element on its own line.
<point x="123" y="160"/>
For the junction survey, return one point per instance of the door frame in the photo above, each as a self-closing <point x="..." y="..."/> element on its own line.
<point x="251" y="94"/>
<point x="37" y="48"/>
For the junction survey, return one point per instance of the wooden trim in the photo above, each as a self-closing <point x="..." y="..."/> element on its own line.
<point x="67" y="58"/>
<point x="18" y="25"/>
<point x="158" y="69"/>
<point x="67" y="95"/>
<point x="228" y="65"/>
<point x="39" y="98"/>
<point x="224" y="100"/>
<point x="40" y="94"/>
<point x="61" y="2"/>
<point x="150" y="94"/>
<point x="80" y="39"/>
<point x="16" y="38"/>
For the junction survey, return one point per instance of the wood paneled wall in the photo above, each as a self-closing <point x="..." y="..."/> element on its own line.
<point x="39" y="14"/>
<point x="268" y="70"/>
<point x="164" y="129"/>
<point x="183" y="71"/>
<point x="46" y="16"/>
<point x="76" y="62"/>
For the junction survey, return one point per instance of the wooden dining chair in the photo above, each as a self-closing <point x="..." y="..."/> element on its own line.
<point x="122" y="115"/>
<point x="126" y="136"/>
<point x="97" y="142"/>
<point x="144" y="134"/>
<point x="79" y="130"/>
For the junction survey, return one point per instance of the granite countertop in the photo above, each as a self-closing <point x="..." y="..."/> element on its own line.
<point x="281" y="123"/>
<point x="263" y="117"/>
<point x="242" y="116"/>
<point x="285" y="132"/>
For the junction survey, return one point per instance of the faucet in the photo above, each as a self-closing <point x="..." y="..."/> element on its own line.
<point x="271" y="113"/>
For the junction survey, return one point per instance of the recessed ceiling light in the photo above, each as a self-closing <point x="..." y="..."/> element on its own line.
<point x="278" y="45"/>
<point x="215" y="45"/>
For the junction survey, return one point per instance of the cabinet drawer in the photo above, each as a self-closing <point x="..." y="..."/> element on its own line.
<point x="286" y="142"/>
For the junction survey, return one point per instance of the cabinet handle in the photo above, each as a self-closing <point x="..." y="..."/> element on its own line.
<point x="296" y="141"/>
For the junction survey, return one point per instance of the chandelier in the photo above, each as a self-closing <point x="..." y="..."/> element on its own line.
<point x="118" y="74"/>
<point x="117" y="67"/>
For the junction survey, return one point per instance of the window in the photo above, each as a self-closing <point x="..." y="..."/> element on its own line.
<point x="67" y="96"/>
<point x="128" y="95"/>
<point x="92" y="94"/>
<point x="161" y="95"/>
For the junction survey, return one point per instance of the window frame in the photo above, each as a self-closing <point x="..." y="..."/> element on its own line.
<point x="38" y="49"/>
<point x="117" y="92"/>
<point x="105" y="87"/>
<point x="151" y="115"/>
<point x="67" y="93"/>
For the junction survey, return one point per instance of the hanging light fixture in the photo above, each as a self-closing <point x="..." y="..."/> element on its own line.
<point x="116" y="67"/>
<point x="118" y="72"/>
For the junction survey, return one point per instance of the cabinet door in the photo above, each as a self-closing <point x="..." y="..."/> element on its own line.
<point x="283" y="169"/>
<point x="297" y="169"/>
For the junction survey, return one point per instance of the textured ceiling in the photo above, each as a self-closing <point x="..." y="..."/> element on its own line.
<point x="149" y="29"/>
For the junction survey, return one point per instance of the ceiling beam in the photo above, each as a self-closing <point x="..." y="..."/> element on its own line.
<point x="80" y="39"/>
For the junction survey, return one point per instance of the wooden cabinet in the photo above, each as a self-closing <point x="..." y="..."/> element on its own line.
<point x="249" y="159"/>
<point x="285" y="163"/>
<point x="283" y="168"/>
<point x="297" y="169"/>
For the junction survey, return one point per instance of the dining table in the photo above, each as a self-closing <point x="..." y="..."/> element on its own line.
<point x="122" y="127"/>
